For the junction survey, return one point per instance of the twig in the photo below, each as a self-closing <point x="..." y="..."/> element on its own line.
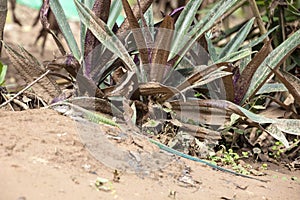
<point x="21" y="104"/>
<point x="5" y="98"/>
<point x="256" y="13"/>
<point x="283" y="33"/>
<point x="232" y="10"/>
<point x="259" y="21"/>
<point x="26" y="88"/>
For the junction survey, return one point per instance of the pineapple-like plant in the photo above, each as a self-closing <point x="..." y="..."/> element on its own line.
<point x="171" y="73"/>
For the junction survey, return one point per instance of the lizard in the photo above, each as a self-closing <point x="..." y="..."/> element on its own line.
<point x="98" y="118"/>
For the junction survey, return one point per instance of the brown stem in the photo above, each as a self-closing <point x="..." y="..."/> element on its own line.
<point x="3" y="13"/>
<point x="232" y="10"/>
<point x="282" y="25"/>
<point x="259" y="21"/>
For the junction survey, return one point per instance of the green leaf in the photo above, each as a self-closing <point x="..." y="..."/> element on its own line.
<point x="238" y="39"/>
<point x="206" y="23"/>
<point x="254" y="117"/>
<point x="115" y="11"/>
<point x="273" y="60"/>
<point x="88" y="3"/>
<point x="272" y="87"/>
<point x="235" y="56"/>
<point x="104" y="34"/>
<point x="290" y="126"/>
<point x="209" y="78"/>
<point x="245" y="61"/>
<point x="259" y="39"/>
<point x="3" y="70"/>
<point x="233" y="119"/>
<point x="211" y="49"/>
<point x="65" y="28"/>
<point x="277" y="134"/>
<point x="183" y="23"/>
<point x="150" y="20"/>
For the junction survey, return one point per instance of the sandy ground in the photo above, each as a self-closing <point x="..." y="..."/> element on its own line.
<point x="43" y="157"/>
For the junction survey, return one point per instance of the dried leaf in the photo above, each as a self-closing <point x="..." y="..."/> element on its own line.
<point x="155" y="88"/>
<point x="292" y="83"/>
<point x="30" y="69"/>
<point x="127" y="87"/>
<point x="44" y="12"/>
<point x="228" y="85"/>
<point x="204" y="112"/>
<point x="68" y="62"/>
<point x="291" y="126"/>
<point x="201" y="133"/>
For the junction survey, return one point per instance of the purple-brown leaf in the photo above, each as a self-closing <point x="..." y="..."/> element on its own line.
<point x="244" y="80"/>
<point x="137" y="33"/>
<point x="101" y="10"/>
<point x="144" y="5"/>
<point x="161" y="51"/>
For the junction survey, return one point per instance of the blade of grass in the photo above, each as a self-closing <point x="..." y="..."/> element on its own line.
<point x="258" y="40"/>
<point x="235" y="56"/>
<point x="65" y="28"/>
<point x="202" y="26"/>
<point x="183" y="23"/>
<point x="115" y="10"/>
<point x="3" y="70"/>
<point x="211" y="49"/>
<point x="238" y="39"/>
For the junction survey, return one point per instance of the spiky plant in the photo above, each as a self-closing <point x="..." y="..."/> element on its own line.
<point x="157" y="71"/>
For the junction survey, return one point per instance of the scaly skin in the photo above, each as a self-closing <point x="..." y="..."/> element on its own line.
<point x="97" y="118"/>
<point x="178" y="153"/>
<point x="89" y="115"/>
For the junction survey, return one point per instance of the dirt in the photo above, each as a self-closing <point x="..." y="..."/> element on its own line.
<point x="43" y="157"/>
